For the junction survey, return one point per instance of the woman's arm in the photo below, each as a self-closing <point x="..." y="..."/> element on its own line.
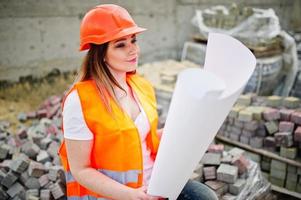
<point x="78" y="152"/>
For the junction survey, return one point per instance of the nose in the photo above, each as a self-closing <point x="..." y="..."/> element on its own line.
<point x="133" y="49"/>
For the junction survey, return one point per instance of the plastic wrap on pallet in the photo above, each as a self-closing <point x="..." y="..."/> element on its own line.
<point x="256" y="185"/>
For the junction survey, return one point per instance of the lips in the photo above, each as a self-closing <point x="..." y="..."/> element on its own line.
<point x="133" y="60"/>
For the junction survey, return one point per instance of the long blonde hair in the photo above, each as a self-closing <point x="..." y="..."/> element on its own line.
<point x="94" y="67"/>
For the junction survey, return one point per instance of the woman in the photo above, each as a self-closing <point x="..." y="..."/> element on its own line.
<point x="110" y="117"/>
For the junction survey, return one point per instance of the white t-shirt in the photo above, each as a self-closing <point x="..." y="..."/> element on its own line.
<point x="75" y="128"/>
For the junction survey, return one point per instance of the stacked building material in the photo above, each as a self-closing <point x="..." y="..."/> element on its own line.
<point x="228" y="172"/>
<point x="271" y="123"/>
<point x="29" y="164"/>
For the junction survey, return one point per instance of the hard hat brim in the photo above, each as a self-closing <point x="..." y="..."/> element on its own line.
<point x="96" y="39"/>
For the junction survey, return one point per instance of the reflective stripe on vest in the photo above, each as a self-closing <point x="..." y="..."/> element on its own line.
<point x="130" y="176"/>
<point x="86" y="197"/>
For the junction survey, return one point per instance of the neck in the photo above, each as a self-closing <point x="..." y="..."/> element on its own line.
<point x="120" y="78"/>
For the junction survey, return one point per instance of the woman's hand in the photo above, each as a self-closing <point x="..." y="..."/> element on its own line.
<point x="139" y="194"/>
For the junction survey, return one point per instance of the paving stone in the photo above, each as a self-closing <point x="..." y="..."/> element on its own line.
<point x="43" y="157"/>
<point x="265" y="165"/>
<point x="9" y="179"/>
<point x="292" y="177"/>
<point x="248" y="133"/>
<point x="43" y="180"/>
<point x="211" y="159"/>
<point x="238" y="123"/>
<point x="36" y="169"/>
<point x="22" y="133"/>
<point x="296" y="117"/>
<point x="271" y="127"/>
<point x="234" y="136"/>
<point x="274" y="101"/>
<point x="290" y="185"/>
<point x="32" y="194"/>
<point x="278" y="165"/>
<point x="45" y="194"/>
<point x="271" y="114"/>
<point x="291" y="102"/>
<point x="45" y="143"/>
<point x="269" y="143"/>
<point x="23" y="178"/>
<point x="251" y="126"/>
<point x="216" y="148"/>
<point x="3" y="194"/>
<point x="20" y="163"/>
<point x="30" y="149"/>
<point x="257" y="112"/>
<point x="227" y="173"/>
<point x="253" y="156"/>
<point x="236" y="130"/>
<point x="237" y="187"/>
<point x="57" y="190"/>
<point x="277" y="173"/>
<point x="41" y="113"/>
<point x="229" y="196"/>
<point x="284" y="139"/>
<point x="209" y="173"/>
<point x="245" y="140"/>
<point x="54" y="172"/>
<point x="256" y="142"/>
<point x="53" y="149"/>
<point x="241" y="163"/>
<point x="15" y="189"/>
<point x="290" y="153"/>
<point x="226" y="159"/>
<point x="195" y="176"/>
<point x="285" y="114"/>
<point x="277" y="181"/>
<point x="4" y="150"/>
<point x="245" y="116"/>
<point x="236" y="151"/>
<point x="297" y="134"/>
<point x="32" y="183"/>
<point x="286" y="126"/>
<point x="218" y="187"/>
<point x="291" y="169"/>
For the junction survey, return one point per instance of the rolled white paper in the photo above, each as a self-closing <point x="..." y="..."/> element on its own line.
<point x="200" y="103"/>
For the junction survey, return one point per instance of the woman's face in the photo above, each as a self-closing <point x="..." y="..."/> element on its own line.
<point x="122" y="54"/>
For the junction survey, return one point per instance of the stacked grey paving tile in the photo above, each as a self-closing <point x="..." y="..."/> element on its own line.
<point x="29" y="164"/>
<point x="296" y="90"/>
<point x="224" y="172"/>
<point x="272" y="123"/>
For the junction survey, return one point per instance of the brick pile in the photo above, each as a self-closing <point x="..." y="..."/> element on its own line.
<point x="29" y="164"/>
<point x="272" y="123"/>
<point x="227" y="173"/>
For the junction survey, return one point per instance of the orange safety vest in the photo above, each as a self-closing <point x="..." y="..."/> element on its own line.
<point x="116" y="150"/>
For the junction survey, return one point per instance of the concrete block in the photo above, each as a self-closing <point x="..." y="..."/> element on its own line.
<point x="211" y="159"/>
<point x="284" y="139"/>
<point x="297" y="134"/>
<point x="20" y="163"/>
<point x="32" y="194"/>
<point x="218" y="187"/>
<point x="271" y="114"/>
<point x="285" y="114"/>
<point x="226" y="159"/>
<point x="277" y="173"/>
<point x="45" y="143"/>
<point x="271" y="127"/>
<point x="251" y="126"/>
<point x="265" y="166"/>
<point x="245" y="140"/>
<point x="15" y="190"/>
<point x="277" y="181"/>
<point x="4" y="150"/>
<point x="245" y="116"/>
<point x="236" y="130"/>
<point x="43" y="157"/>
<point x="274" y="101"/>
<point x="296" y="117"/>
<point x="234" y="136"/>
<point x="227" y="173"/>
<point x="45" y="194"/>
<point x="244" y="100"/>
<point x="256" y="142"/>
<point x="55" y="172"/>
<point x="22" y="133"/>
<point x="248" y="133"/>
<point x="3" y="194"/>
<point x="241" y="163"/>
<point x="286" y="126"/>
<point x="43" y="180"/>
<point x="237" y="187"/>
<point x="290" y="185"/>
<point x="53" y="149"/>
<point x="36" y="169"/>
<point x="290" y="153"/>
<point x="57" y="190"/>
<point x="291" y="169"/>
<point x="209" y="173"/>
<point x="9" y="179"/>
<point x="269" y="143"/>
<point x="278" y="165"/>
<point x="238" y="123"/>
<point x="32" y="183"/>
<point x="236" y="151"/>
<point x="216" y="148"/>
<point x="30" y="149"/>
<point x="291" y="102"/>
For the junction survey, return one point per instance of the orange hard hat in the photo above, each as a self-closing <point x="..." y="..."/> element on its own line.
<point x="105" y="23"/>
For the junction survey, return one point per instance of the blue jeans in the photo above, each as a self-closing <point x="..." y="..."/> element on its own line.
<point x="194" y="190"/>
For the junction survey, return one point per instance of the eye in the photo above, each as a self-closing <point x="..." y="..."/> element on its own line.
<point x="120" y="45"/>
<point x="134" y="40"/>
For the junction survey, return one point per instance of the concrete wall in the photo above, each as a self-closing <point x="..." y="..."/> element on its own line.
<point x="37" y="36"/>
